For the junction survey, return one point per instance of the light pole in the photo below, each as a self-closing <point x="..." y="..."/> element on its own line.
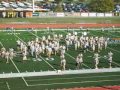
<point x="33" y="5"/>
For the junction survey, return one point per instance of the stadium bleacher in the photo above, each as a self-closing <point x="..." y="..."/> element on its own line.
<point x="79" y="7"/>
<point x="117" y="8"/>
<point x="67" y="6"/>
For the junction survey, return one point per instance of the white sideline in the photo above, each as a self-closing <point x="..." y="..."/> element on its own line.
<point x="66" y="72"/>
<point x="76" y="82"/>
<point x="65" y="29"/>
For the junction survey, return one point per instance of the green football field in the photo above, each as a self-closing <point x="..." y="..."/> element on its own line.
<point x="8" y="40"/>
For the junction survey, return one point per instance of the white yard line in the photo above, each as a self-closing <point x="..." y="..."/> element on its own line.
<point x="114" y="50"/>
<point x="48" y="64"/>
<point x="113" y="62"/>
<point x="20" y="39"/>
<point x="8" y="86"/>
<point x="116" y="63"/>
<point x="111" y="35"/>
<point x="74" y="59"/>
<point x="111" y="49"/>
<point x="19" y="72"/>
<point x="40" y="56"/>
<point x="1" y="44"/>
<point x="76" y="82"/>
<point x="65" y="53"/>
<point x="106" y="59"/>
<point x="35" y="35"/>
<point x="16" y="67"/>
<point x="76" y="77"/>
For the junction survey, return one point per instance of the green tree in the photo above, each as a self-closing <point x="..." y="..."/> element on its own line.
<point x="101" y="5"/>
<point x="59" y="7"/>
<point x="117" y="1"/>
<point x="58" y="1"/>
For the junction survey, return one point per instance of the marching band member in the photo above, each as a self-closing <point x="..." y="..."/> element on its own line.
<point x="11" y="51"/>
<point x="63" y="64"/>
<point x="49" y="51"/>
<point x="62" y="56"/>
<point x="62" y="48"/>
<point x="32" y="49"/>
<point x="18" y="44"/>
<point x="24" y="55"/>
<point x="96" y="56"/>
<point x="7" y="54"/>
<point x="110" y="54"/>
<point x="3" y="50"/>
<point x="79" y="61"/>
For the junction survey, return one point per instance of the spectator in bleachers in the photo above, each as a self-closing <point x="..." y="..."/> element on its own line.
<point x="117" y="7"/>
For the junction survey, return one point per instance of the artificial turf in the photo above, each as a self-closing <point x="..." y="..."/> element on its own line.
<point x="63" y="81"/>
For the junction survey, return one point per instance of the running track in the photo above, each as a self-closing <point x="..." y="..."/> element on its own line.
<point x="3" y="26"/>
<point x="96" y="88"/>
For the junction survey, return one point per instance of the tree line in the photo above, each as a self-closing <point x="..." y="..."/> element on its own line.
<point x="94" y="5"/>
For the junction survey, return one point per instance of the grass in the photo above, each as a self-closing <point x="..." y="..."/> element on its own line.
<point x="64" y="81"/>
<point x="60" y="81"/>
<point x="61" y="20"/>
